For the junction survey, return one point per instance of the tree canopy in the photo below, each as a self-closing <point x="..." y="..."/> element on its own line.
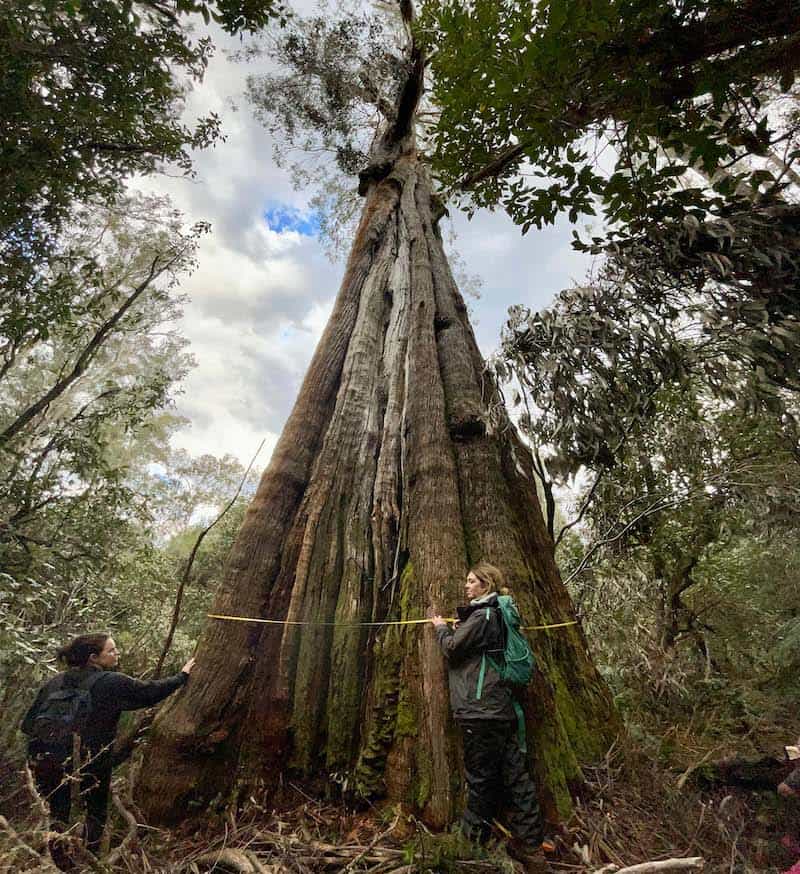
<point x="92" y="93"/>
<point x="533" y="95"/>
<point x="678" y="124"/>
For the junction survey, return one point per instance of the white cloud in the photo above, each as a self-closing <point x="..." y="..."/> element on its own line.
<point x="527" y="270"/>
<point x="228" y="435"/>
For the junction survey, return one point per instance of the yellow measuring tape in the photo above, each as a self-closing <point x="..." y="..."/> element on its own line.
<point x="366" y="624"/>
<point x="544" y="627"/>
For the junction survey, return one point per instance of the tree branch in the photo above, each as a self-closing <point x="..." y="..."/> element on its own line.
<point x="584" y="507"/>
<point x="747" y="23"/>
<point x="88" y="353"/>
<point x="694" y="863"/>
<point x="26" y="509"/>
<point x="176" y="612"/>
<point x="765" y="33"/>
<point x="409" y="97"/>
<point x="502" y="161"/>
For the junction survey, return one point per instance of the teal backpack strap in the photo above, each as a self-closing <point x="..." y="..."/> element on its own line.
<point x="481" y="678"/>
<point x="520" y="727"/>
<point x="482" y="674"/>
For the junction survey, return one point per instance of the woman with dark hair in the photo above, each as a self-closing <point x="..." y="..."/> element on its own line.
<point x="86" y="701"/>
<point x="483" y="707"/>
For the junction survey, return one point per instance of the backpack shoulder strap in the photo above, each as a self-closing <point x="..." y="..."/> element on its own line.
<point x="481" y="678"/>
<point x="88" y="681"/>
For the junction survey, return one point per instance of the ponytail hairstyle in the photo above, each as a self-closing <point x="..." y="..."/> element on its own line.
<point x="76" y="653"/>
<point x="491" y="576"/>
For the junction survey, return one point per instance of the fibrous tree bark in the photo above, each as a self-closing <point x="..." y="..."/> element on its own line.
<point x="396" y="470"/>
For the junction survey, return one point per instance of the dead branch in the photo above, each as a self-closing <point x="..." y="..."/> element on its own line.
<point x="176" y="612"/>
<point x="693" y="863"/>
<point x="45" y="862"/>
<point x="133" y="828"/>
<point x="240" y="861"/>
<point x="373" y="843"/>
<point x="41" y="806"/>
<point x="692" y="768"/>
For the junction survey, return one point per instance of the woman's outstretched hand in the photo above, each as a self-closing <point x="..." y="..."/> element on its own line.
<point x="438" y="621"/>
<point x="187" y="668"/>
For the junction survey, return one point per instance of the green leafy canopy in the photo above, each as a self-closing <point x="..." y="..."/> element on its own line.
<point x="565" y="106"/>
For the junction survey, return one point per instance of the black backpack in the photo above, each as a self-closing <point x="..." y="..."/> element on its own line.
<point x="64" y="711"/>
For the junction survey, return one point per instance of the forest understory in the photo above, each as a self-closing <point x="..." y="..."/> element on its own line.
<point x="705" y="801"/>
<point x="626" y="451"/>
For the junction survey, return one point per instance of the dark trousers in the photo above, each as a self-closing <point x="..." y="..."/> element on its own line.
<point x="497" y="777"/>
<point x="52" y="771"/>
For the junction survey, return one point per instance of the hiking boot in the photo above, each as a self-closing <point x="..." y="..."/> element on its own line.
<point x="530" y="856"/>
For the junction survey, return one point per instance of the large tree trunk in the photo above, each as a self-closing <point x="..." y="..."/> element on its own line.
<point x="397" y="468"/>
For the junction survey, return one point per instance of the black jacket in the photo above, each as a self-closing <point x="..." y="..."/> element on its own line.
<point x="111" y="694"/>
<point x="480" y="631"/>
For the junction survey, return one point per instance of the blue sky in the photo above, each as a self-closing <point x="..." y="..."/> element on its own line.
<point x="281" y="217"/>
